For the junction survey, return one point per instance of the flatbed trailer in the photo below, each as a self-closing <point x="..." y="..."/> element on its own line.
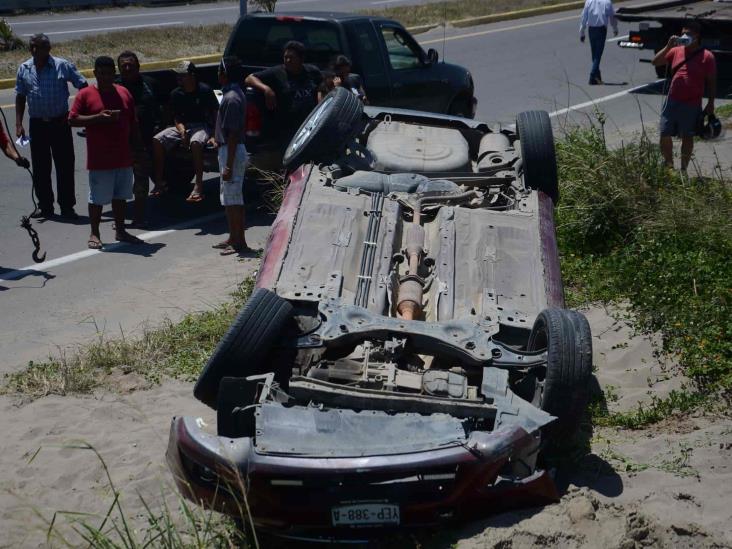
<point x="657" y="21"/>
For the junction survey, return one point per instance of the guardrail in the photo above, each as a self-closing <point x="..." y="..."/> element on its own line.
<point x="33" y="5"/>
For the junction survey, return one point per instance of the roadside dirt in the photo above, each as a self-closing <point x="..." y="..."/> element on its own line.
<point x="667" y="486"/>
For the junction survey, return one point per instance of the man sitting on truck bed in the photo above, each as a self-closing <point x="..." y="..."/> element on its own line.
<point x="194" y="107"/>
<point x="290" y="90"/>
<point x="691" y="67"/>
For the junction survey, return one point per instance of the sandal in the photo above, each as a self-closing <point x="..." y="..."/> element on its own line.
<point x="159" y="190"/>
<point x="231" y="250"/>
<point x="94" y="243"/>
<point x="221" y="245"/>
<point x="128" y="238"/>
<point x="195" y="197"/>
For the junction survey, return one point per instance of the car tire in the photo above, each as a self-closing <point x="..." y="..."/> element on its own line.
<point x="564" y="392"/>
<point x="327" y="130"/>
<point x="247" y="341"/>
<point x="460" y="106"/>
<point x="539" y="157"/>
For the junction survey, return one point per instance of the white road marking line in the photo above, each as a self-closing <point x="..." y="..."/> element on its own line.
<point x="151" y="13"/>
<point x="503" y="29"/>
<point x="617" y="38"/>
<point x="385" y="2"/>
<point x="114" y="28"/>
<point x="51" y="263"/>
<point x="603" y="99"/>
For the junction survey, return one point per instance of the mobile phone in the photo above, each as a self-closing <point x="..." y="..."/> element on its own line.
<point x="683" y="40"/>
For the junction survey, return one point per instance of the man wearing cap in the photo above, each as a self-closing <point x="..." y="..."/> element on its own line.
<point x="194" y="106"/>
<point x="42" y="82"/>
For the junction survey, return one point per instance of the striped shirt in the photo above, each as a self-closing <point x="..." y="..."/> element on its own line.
<point x="47" y="90"/>
<point x="598" y="13"/>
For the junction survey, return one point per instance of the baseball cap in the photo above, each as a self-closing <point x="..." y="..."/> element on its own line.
<point x="185" y="67"/>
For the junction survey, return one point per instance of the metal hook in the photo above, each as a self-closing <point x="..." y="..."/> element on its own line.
<point x="25" y="222"/>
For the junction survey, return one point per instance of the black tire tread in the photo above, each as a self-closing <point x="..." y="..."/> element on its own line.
<point x="534" y="130"/>
<point x="338" y="126"/>
<point x="250" y="336"/>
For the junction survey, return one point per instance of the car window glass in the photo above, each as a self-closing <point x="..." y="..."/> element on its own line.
<point x="260" y="40"/>
<point x="403" y="53"/>
<point x="367" y="56"/>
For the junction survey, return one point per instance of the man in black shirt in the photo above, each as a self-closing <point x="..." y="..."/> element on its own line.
<point x="194" y="106"/>
<point x="145" y="93"/>
<point x="290" y="90"/>
<point x="347" y="79"/>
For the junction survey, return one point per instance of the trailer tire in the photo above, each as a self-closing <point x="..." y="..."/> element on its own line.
<point x="534" y="131"/>
<point x="326" y="131"/>
<point x="246" y="343"/>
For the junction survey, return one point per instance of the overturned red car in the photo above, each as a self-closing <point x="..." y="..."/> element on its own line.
<point x="405" y="358"/>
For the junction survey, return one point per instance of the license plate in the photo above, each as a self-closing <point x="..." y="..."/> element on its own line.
<point x="365" y="514"/>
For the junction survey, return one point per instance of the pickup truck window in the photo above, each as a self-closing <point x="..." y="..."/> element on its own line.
<point x="403" y="52"/>
<point x="263" y="38"/>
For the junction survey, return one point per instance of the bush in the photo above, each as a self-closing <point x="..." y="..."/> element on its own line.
<point x="630" y="229"/>
<point x="8" y="39"/>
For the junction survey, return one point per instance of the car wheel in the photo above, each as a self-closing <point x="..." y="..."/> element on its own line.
<point x="564" y="391"/>
<point x="327" y="130"/>
<point x="460" y="106"/>
<point x="247" y="341"/>
<point x="537" y="152"/>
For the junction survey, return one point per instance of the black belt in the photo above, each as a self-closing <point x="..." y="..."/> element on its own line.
<point x="50" y="119"/>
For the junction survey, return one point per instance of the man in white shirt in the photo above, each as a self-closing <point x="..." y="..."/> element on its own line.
<point x="595" y="17"/>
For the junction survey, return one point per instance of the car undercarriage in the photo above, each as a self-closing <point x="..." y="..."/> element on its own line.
<point x="405" y="358"/>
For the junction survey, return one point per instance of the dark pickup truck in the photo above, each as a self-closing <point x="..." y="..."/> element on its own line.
<point x="395" y="70"/>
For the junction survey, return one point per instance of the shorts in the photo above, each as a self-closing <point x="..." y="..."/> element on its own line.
<point x="170" y="137"/>
<point x="142" y="169"/>
<point x="108" y="185"/>
<point x="232" y="191"/>
<point x="679" y="119"/>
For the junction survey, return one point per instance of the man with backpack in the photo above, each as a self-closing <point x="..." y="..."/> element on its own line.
<point x="691" y="69"/>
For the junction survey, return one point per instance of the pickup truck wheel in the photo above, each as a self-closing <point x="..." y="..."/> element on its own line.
<point x="247" y="341"/>
<point x="460" y="106"/>
<point x="327" y="130"/>
<point x="537" y="152"/>
<point x="564" y="391"/>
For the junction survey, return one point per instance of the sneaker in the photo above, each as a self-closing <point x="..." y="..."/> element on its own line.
<point x="43" y="213"/>
<point x="69" y="213"/>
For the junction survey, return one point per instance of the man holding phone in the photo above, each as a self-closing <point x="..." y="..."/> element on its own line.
<point x="691" y="69"/>
<point x="107" y="111"/>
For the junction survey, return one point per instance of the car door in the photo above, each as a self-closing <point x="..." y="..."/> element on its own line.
<point x="368" y="61"/>
<point x="414" y="83"/>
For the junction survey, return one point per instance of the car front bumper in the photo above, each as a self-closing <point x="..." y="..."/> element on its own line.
<point x="293" y="496"/>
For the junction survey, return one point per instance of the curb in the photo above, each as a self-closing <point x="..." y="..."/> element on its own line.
<point x="8" y="83"/>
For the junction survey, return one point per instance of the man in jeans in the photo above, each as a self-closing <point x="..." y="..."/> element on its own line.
<point x="107" y="111"/>
<point x="595" y="16"/>
<point x="230" y="135"/>
<point x="42" y="82"/>
<point x="691" y="68"/>
<point x="194" y="105"/>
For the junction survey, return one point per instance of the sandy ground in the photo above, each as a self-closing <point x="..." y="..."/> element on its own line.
<point x="667" y="486"/>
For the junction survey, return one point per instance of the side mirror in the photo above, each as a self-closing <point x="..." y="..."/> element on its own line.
<point x="432" y="56"/>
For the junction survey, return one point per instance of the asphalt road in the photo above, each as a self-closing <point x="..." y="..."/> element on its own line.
<point x="535" y="63"/>
<point x="67" y="25"/>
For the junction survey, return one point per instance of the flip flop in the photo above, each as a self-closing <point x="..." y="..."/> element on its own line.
<point x="231" y="250"/>
<point x="128" y="238"/>
<point x="94" y="244"/>
<point x="195" y="197"/>
<point x="159" y="191"/>
<point x="221" y="245"/>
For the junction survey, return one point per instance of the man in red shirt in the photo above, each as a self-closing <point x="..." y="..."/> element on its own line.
<point x="691" y="68"/>
<point x="107" y="111"/>
<point x="9" y="150"/>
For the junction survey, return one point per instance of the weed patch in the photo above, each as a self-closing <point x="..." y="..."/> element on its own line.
<point x="631" y="230"/>
<point x="177" y="350"/>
